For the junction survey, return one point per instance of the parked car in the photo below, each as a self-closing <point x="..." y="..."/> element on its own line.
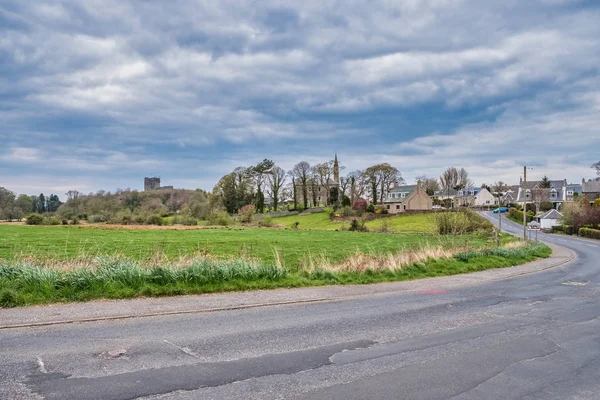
<point x="500" y="210"/>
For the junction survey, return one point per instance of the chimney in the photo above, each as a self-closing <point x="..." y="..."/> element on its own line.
<point x="521" y="181"/>
<point x="582" y="181"/>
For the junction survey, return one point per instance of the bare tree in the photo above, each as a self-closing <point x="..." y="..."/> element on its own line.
<point x="430" y="185"/>
<point x="72" y="194"/>
<point x="538" y="195"/>
<point x="358" y="185"/>
<point x="455" y="178"/>
<point x="301" y="173"/>
<point x="596" y="166"/>
<point x="381" y="177"/>
<point x="323" y="173"/>
<point x="276" y="181"/>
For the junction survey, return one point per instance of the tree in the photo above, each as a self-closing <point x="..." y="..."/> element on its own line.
<point x="382" y="177"/>
<point x="276" y="182"/>
<point x="545" y="183"/>
<point x="224" y="193"/>
<point x="455" y="178"/>
<point x="7" y="204"/>
<point x="23" y="202"/>
<point x="52" y="203"/>
<point x="301" y="173"/>
<point x="72" y="194"/>
<point x="596" y="166"/>
<point x="323" y="173"/>
<point x="430" y="185"/>
<point x="499" y="187"/>
<point x="259" y="173"/>
<point x="42" y="203"/>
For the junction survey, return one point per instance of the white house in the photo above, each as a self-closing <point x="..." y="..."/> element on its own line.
<point x="475" y="196"/>
<point x="549" y="219"/>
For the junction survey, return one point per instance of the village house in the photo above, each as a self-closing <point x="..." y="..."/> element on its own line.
<point x="548" y="219"/>
<point x="558" y="193"/>
<point x="475" y="197"/>
<point x="590" y="189"/>
<point x="407" y="198"/>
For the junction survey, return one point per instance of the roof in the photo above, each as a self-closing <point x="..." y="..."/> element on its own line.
<point x="446" y="192"/>
<point x="403" y="189"/>
<point x="591" y="187"/>
<point x="552" y="214"/>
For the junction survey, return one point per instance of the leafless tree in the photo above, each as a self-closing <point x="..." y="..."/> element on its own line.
<point x="276" y="182"/>
<point x="455" y="178"/>
<point x="301" y="173"/>
<point x="430" y="185"/>
<point x="72" y="194"/>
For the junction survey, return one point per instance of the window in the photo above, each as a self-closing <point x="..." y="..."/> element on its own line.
<point x="388" y="206"/>
<point x="569" y="193"/>
<point x="487" y="202"/>
<point x="397" y="206"/>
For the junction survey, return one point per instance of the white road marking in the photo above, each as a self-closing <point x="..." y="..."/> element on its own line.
<point x="575" y="283"/>
<point x="184" y="349"/>
<point x="41" y="365"/>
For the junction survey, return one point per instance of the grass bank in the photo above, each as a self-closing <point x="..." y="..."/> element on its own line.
<point x="33" y="282"/>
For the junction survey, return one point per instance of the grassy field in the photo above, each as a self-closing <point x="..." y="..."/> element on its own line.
<point x="292" y="246"/>
<point x="417" y="223"/>
<point x="24" y="283"/>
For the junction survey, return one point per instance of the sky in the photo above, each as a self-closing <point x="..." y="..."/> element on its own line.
<point x="97" y="94"/>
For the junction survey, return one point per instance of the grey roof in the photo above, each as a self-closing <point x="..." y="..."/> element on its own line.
<point x="446" y="192"/>
<point x="591" y="187"/>
<point x="552" y="214"/>
<point x="403" y="189"/>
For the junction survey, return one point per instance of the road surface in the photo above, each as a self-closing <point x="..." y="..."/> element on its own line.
<point x="530" y="337"/>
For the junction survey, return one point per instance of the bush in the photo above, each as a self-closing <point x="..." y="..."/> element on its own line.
<point x="246" y="213"/>
<point x="346" y="201"/>
<point x="358" y="226"/>
<point x="97" y="219"/>
<point x="359" y="205"/>
<point x="155" y="219"/>
<point x="51" y="221"/>
<point x="75" y="221"/>
<point x="266" y="222"/>
<point x="370" y="208"/>
<point x="65" y="222"/>
<point x="589" y="233"/>
<point x="34" y="219"/>
<point x="546" y="206"/>
<point x="185" y="220"/>
<point x="597" y="202"/>
<point x="518" y="215"/>
<point x="139" y="219"/>
<point x="346" y="211"/>
<point x="218" y="218"/>
<point x="463" y="221"/>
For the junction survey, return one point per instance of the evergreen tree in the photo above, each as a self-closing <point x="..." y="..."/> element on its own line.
<point x="545" y="183"/>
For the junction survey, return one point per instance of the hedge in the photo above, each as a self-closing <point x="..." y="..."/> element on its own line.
<point x="589" y="233"/>
<point x="518" y="215"/>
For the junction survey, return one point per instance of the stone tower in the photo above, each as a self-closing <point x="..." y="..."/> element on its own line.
<point x="336" y="170"/>
<point x="151" y="183"/>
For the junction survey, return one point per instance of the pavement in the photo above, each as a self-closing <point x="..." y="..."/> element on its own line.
<point x="527" y="332"/>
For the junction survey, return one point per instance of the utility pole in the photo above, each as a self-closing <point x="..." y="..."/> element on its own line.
<point x="525" y="203"/>
<point x="499" y="221"/>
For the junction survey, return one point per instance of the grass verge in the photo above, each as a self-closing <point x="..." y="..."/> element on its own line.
<point x="33" y="282"/>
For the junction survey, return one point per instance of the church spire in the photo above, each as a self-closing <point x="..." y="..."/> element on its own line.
<point x="336" y="170"/>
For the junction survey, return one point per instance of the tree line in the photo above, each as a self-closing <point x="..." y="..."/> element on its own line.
<point x="13" y="207"/>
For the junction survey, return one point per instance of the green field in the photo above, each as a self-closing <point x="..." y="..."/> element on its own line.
<point x="293" y="246"/>
<point x="417" y="223"/>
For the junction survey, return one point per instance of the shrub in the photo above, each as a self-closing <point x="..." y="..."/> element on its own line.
<point x="346" y="201"/>
<point x="155" y="219"/>
<point x="360" y="205"/>
<point x="219" y="218"/>
<point x="65" y="222"/>
<point x="589" y="233"/>
<point x="358" y="226"/>
<point x="51" y="221"/>
<point x="518" y="215"/>
<point x="597" y="202"/>
<point x="97" y="219"/>
<point x="546" y="206"/>
<point x="75" y="221"/>
<point x="139" y="219"/>
<point x="370" y="208"/>
<point x="463" y="221"/>
<point x="346" y="211"/>
<point x="246" y="213"/>
<point x="34" y="219"/>
<point x="295" y="225"/>
<point x="185" y="220"/>
<point x="266" y="222"/>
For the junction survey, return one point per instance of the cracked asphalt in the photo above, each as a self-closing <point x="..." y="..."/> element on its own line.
<point x="529" y="337"/>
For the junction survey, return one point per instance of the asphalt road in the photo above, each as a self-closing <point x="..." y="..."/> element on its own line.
<point x="531" y="337"/>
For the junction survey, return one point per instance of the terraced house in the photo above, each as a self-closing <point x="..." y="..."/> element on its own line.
<point x="475" y="197"/>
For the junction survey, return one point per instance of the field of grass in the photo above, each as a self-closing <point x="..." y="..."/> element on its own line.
<point x="417" y="223"/>
<point x="292" y="246"/>
<point x="25" y="283"/>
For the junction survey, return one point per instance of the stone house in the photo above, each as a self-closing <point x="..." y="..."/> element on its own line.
<point x="407" y="198"/>
<point x="591" y="189"/>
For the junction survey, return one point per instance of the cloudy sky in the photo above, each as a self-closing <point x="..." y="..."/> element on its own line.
<point x="97" y="94"/>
